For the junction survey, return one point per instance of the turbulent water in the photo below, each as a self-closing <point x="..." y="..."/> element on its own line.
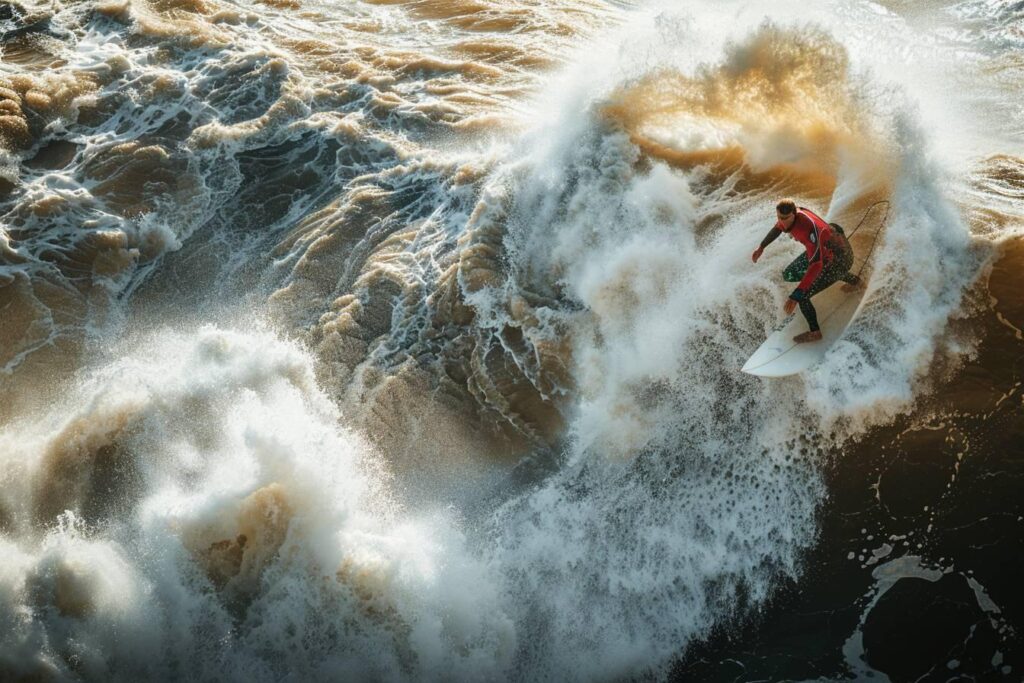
<point x="399" y="340"/>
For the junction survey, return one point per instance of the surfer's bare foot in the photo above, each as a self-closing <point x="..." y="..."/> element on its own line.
<point x="852" y="287"/>
<point x="808" y="336"/>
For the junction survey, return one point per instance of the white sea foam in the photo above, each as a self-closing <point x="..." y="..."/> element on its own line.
<point x="688" y="489"/>
<point x="225" y="436"/>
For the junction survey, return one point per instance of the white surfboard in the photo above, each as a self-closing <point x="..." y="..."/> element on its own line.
<point x="779" y="355"/>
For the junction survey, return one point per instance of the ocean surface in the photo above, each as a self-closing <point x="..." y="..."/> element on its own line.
<point x="399" y="340"/>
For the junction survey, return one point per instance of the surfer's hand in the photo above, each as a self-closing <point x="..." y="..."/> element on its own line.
<point x="757" y="254"/>
<point x="789" y="306"/>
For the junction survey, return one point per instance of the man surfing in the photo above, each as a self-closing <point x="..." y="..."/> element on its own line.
<point x="827" y="258"/>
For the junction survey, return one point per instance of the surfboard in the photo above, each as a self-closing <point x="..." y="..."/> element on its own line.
<point x="779" y="355"/>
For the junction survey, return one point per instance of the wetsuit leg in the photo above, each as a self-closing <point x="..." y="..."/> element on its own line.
<point x="828" y="276"/>
<point x="807" y="308"/>
<point x="844" y="256"/>
<point x="794" y="272"/>
<point x="832" y="273"/>
<point x="838" y="269"/>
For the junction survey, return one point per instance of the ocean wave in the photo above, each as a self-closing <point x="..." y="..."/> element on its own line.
<point x="508" y="436"/>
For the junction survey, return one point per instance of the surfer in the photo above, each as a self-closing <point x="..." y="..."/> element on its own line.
<point x="827" y="259"/>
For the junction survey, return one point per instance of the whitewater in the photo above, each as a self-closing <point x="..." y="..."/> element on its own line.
<point x="397" y="340"/>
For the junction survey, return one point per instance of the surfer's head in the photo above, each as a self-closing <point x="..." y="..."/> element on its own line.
<point x="786" y="212"/>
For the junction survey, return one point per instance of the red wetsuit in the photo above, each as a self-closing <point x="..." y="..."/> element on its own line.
<point x="828" y="259"/>
<point x="812" y="231"/>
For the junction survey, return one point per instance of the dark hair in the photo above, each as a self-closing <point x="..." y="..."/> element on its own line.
<point x="786" y="207"/>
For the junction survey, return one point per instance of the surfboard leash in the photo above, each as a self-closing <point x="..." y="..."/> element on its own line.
<point x="874" y="240"/>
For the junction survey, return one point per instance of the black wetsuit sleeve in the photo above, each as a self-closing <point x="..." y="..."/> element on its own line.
<point x="770" y="237"/>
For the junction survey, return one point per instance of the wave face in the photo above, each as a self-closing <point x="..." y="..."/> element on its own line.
<point x="398" y="340"/>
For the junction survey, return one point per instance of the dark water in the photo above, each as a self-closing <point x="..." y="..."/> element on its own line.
<point x="918" y="563"/>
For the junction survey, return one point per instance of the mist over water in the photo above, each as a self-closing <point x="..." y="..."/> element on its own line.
<point x="400" y="340"/>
